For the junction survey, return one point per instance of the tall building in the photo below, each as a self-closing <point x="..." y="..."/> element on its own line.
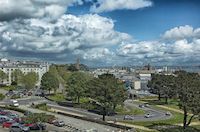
<point x="8" y="67"/>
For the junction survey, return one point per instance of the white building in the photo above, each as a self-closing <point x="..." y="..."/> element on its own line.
<point x="8" y="67"/>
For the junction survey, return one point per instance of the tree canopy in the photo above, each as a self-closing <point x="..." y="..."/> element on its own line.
<point x="107" y="91"/>
<point x="30" y="79"/>
<point x="49" y="82"/>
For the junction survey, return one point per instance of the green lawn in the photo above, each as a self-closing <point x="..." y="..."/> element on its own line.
<point x="134" y="111"/>
<point x="57" y="97"/>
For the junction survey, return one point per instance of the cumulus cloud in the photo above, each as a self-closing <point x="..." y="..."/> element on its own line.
<point x="51" y="9"/>
<point x="182" y="32"/>
<point x="182" y="47"/>
<point x="110" y="5"/>
<point x="87" y="34"/>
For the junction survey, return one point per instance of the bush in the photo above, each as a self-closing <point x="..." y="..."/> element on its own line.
<point x="15" y="96"/>
<point x="42" y="106"/>
<point x="2" y="96"/>
<point x="38" y="117"/>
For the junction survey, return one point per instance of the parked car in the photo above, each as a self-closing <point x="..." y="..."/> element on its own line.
<point x="36" y="126"/>
<point x="16" y="127"/>
<point x="8" y="124"/>
<point x="128" y="117"/>
<point x="59" y="123"/>
<point x="4" y="119"/>
<point x="27" y="113"/>
<point x="14" y="103"/>
<point x="148" y="115"/>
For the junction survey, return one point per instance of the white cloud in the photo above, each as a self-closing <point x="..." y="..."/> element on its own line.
<point x="87" y="34"/>
<point x="182" y="32"/>
<point x="110" y="5"/>
<point x="51" y="9"/>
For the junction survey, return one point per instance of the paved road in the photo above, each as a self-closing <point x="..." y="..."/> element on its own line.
<point x="157" y="114"/>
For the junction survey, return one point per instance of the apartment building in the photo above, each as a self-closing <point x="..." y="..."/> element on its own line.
<point x="8" y="66"/>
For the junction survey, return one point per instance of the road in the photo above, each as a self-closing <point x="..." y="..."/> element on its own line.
<point x="157" y="114"/>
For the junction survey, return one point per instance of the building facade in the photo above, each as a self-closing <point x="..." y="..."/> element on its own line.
<point x="25" y="67"/>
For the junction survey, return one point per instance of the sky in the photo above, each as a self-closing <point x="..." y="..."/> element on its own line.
<point x="101" y="32"/>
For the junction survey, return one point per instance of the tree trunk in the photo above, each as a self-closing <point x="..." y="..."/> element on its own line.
<point x="114" y="106"/>
<point x="104" y="113"/>
<point x="166" y="100"/>
<point x="159" y="97"/>
<point x="78" y="99"/>
<point x="185" y="117"/>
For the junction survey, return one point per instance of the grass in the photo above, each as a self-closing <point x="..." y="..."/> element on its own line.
<point x="7" y="88"/>
<point x="42" y="106"/>
<point x="57" y="97"/>
<point x="176" y="119"/>
<point x="134" y="111"/>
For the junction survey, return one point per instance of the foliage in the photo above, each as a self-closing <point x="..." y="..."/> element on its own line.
<point x="30" y="79"/>
<point x="42" y="106"/>
<point x="49" y="82"/>
<point x="188" y="90"/>
<point x="76" y="85"/>
<point x="2" y="96"/>
<point x="57" y="97"/>
<point x="8" y="88"/>
<point x="17" y="76"/>
<point x="107" y="91"/>
<point x="38" y="117"/>
<point x="2" y="75"/>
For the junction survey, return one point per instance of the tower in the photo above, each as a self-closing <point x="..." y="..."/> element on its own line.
<point x="78" y="64"/>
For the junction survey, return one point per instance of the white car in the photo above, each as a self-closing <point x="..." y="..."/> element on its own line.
<point x="128" y="117"/>
<point x="14" y="103"/>
<point x="148" y="115"/>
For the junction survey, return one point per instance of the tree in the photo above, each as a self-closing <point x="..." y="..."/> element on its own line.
<point x="155" y="84"/>
<point x="163" y="85"/>
<point x="49" y="82"/>
<point x="17" y="76"/>
<point x="188" y="90"/>
<point x="107" y="91"/>
<point x="2" y="75"/>
<point x="76" y="85"/>
<point x="29" y="80"/>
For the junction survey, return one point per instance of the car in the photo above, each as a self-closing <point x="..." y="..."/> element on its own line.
<point x="59" y="123"/>
<point x="146" y="104"/>
<point x="27" y="113"/>
<point x="16" y="127"/>
<point x="167" y="113"/>
<point x="141" y="105"/>
<point x="8" y="124"/>
<point x="36" y="126"/>
<point x="128" y="117"/>
<point x="4" y="119"/>
<point x="14" y="103"/>
<point x="148" y="115"/>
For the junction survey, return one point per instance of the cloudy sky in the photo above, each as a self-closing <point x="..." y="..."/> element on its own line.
<point x="101" y="32"/>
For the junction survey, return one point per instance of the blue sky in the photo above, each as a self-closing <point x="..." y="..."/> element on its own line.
<point x="101" y="32"/>
<point x="149" y="23"/>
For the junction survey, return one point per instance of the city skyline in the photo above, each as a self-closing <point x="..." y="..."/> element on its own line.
<point x="101" y="32"/>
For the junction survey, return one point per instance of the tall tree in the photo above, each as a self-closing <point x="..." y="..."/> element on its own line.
<point x="30" y="79"/>
<point x="188" y="90"/>
<point x="2" y="75"/>
<point x="49" y="82"/>
<point x="76" y="85"/>
<point x="17" y="76"/>
<point x="107" y="91"/>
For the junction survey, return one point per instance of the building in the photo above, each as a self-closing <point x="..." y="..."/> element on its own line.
<point x="8" y="67"/>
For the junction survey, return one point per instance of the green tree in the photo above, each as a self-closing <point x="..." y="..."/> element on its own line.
<point x="29" y="80"/>
<point x="2" y="75"/>
<point x="17" y="76"/>
<point x="107" y="91"/>
<point x="188" y="91"/>
<point x="49" y="82"/>
<point x="76" y="85"/>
